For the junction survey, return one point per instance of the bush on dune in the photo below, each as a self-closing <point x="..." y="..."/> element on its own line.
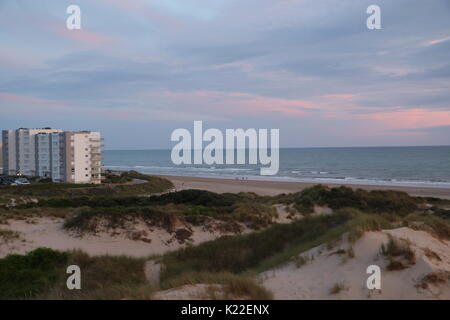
<point x="377" y="201"/>
<point x="436" y="225"/>
<point x="88" y="220"/>
<point x="104" y="277"/>
<point x="41" y="274"/>
<point x="24" y="276"/>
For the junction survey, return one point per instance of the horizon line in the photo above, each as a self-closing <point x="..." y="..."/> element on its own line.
<point x="340" y="147"/>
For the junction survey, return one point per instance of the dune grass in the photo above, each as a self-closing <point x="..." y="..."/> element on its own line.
<point x="436" y="225"/>
<point x="104" y="277"/>
<point x="25" y="276"/>
<point x="399" y="254"/>
<point x="41" y="274"/>
<point x="8" y="235"/>
<point x="254" y="251"/>
<point x="376" y="201"/>
<point x="338" y="287"/>
<point x="254" y="216"/>
<point x="233" y="286"/>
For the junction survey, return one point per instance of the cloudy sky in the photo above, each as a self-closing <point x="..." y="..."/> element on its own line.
<point x="139" y="69"/>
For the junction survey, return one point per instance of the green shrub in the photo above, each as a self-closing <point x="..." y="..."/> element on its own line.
<point x="431" y="223"/>
<point x="24" y="276"/>
<point x="240" y="253"/>
<point x="377" y="201"/>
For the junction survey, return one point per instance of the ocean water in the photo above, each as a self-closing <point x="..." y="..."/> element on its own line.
<point x="399" y="166"/>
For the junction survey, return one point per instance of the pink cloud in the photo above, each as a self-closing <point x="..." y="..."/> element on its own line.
<point x="409" y="119"/>
<point x="339" y="108"/>
<point x="436" y="41"/>
<point x="20" y="99"/>
<point x="340" y="96"/>
<point x="233" y="103"/>
<point x="83" y="36"/>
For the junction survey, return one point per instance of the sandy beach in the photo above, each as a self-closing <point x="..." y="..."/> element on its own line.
<point x="271" y="188"/>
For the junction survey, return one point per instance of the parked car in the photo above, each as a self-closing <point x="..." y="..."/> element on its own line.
<point x="21" y="181"/>
<point x="13" y="181"/>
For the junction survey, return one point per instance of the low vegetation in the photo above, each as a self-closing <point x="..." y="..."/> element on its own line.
<point x="437" y="278"/>
<point x="436" y="225"/>
<point x="233" y="286"/>
<point x="25" y="276"/>
<point x="116" y="177"/>
<point x="254" y="216"/>
<point x="258" y="251"/>
<point x="103" y="277"/>
<point x="8" y="235"/>
<point x="338" y="287"/>
<point x="30" y="213"/>
<point x="41" y="274"/>
<point x="302" y="260"/>
<point x="399" y="254"/>
<point x="377" y="201"/>
<point x="60" y="191"/>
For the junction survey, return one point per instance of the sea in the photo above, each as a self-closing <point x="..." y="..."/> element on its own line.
<point x="393" y="166"/>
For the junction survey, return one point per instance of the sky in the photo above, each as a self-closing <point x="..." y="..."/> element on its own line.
<point x="138" y="69"/>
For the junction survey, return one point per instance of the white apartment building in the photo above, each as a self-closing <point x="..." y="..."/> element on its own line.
<point x="73" y="157"/>
<point x="84" y="156"/>
<point x="19" y="150"/>
<point x="50" y="155"/>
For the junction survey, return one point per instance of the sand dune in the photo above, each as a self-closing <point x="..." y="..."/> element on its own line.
<point x="316" y="278"/>
<point x="49" y="233"/>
